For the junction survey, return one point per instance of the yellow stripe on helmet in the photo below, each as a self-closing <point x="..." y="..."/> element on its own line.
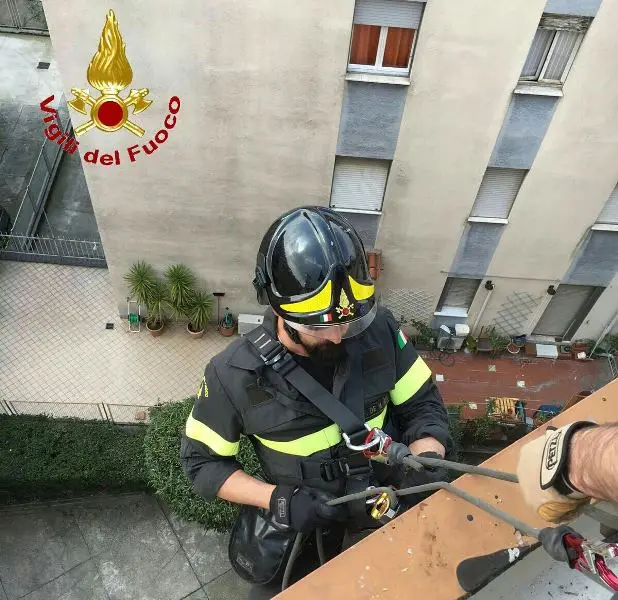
<point x="360" y="291"/>
<point x="321" y="301"/>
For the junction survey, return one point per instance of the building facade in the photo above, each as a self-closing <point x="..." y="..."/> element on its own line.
<point x="474" y="143"/>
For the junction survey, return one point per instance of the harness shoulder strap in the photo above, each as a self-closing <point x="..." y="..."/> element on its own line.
<point x="275" y="355"/>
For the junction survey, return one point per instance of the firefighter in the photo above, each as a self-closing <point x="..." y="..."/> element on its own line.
<point x="324" y="330"/>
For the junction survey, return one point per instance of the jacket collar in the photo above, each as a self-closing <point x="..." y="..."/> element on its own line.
<point x="245" y="357"/>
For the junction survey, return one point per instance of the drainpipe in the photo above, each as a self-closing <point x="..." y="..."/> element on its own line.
<point x="605" y="332"/>
<point x="489" y="286"/>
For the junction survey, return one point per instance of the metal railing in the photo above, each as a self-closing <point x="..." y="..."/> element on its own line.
<point x="81" y="253"/>
<point x="32" y="205"/>
<point x="23" y="16"/>
<point x="101" y="411"/>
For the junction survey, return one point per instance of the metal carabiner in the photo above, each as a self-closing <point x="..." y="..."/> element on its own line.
<point x="595" y="555"/>
<point x="591" y="556"/>
<point x="384" y="442"/>
<point x="370" y="441"/>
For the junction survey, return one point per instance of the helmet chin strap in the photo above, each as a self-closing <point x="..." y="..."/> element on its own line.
<point x="293" y="333"/>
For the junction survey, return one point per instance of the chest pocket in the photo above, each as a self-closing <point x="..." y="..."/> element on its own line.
<point x="270" y="410"/>
<point x="378" y="379"/>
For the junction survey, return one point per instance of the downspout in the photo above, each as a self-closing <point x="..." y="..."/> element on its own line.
<point x="489" y="286"/>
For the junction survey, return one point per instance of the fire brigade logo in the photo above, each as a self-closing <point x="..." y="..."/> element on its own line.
<point x="345" y="309"/>
<point x="109" y="72"/>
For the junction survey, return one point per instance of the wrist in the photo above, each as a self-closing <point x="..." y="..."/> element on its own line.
<point x="575" y="468"/>
<point x="427" y="444"/>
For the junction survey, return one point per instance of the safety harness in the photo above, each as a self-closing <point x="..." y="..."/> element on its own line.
<point x="359" y="437"/>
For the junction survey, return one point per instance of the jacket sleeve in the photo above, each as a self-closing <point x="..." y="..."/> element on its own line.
<point x="417" y="405"/>
<point x="212" y="437"/>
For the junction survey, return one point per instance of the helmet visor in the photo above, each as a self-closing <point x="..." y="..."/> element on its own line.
<point x="336" y="333"/>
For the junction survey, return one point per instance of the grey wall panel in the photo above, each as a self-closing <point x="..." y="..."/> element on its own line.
<point x="370" y="119"/>
<point x="476" y="249"/>
<point x="584" y="8"/>
<point x="597" y="262"/>
<point x="394" y="13"/>
<point x="366" y="226"/>
<point x="524" y="127"/>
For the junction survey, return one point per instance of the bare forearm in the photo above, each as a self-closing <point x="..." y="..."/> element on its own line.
<point x="593" y="462"/>
<point x="244" y="489"/>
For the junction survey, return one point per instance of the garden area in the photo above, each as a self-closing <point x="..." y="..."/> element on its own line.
<point x="46" y="459"/>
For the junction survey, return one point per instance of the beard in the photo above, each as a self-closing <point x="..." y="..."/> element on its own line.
<point x="327" y="353"/>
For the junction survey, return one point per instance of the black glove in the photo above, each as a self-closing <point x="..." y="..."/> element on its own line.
<point x="303" y="508"/>
<point x="426" y="474"/>
<point x="552" y="539"/>
<point x="413" y="478"/>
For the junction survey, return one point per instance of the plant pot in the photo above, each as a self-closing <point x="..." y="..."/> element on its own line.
<point x="154" y="331"/>
<point x="196" y="335"/>
<point x="226" y="331"/>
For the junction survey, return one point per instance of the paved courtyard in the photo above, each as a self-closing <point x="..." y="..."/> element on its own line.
<point x="56" y="355"/>
<point x="111" y="548"/>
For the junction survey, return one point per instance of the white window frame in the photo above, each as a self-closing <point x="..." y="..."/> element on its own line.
<point x="544" y="62"/>
<point x="377" y="66"/>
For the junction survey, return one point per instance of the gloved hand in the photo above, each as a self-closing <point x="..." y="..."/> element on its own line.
<point x="552" y="540"/>
<point x="303" y="508"/>
<point x="543" y="475"/>
<point x="425" y="475"/>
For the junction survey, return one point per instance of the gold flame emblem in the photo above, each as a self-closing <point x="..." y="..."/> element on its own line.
<point x="109" y="72"/>
<point x="345" y="308"/>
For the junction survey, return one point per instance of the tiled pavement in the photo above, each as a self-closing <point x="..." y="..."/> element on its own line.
<point x="111" y="548"/>
<point x="535" y="381"/>
<point x="54" y="347"/>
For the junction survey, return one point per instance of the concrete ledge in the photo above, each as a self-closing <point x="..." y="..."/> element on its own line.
<point x="535" y="89"/>
<point x="377" y="78"/>
<point x="418" y="553"/>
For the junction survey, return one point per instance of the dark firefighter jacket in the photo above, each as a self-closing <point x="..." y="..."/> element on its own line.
<point x="294" y="441"/>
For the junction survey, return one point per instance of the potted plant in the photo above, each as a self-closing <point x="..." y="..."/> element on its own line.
<point x="423" y="338"/>
<point x="499" y="343"/>
<point x="142" y="281"/>
<point x="199" y="311"/>
<point x="226" y="326"/>
<point x="157" y="302"/>
<point x="180" y="281"/>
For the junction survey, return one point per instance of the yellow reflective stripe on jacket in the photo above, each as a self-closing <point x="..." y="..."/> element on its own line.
<point x="378" y="420"/>
<point x="308" y="444"/>
<point x="196" y="430"/>
<point x="318" y="441"/>
<point x="411" y="382"/>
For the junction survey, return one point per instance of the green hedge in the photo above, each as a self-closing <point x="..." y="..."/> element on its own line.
<point x="165" y="474"/>
<point x="42" y="458"/>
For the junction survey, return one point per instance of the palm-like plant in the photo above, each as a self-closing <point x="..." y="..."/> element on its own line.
<point x="180" y="281"/>
<point x="157" y="303"/>
<point x="142" y="280"/>
<point x="199" y="310"/>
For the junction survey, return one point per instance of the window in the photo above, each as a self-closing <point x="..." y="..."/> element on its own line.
<point x="359" y="183"/>
<point x="383" y="36"/>
<point x="497" y="192"/>
<point x="358" y="191"/>
<point x="553" y="49"/>
<point x="458" y="293"/>
<point x="609" y="214"/>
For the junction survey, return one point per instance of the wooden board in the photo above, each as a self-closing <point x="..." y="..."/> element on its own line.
<point x="417" y="554"/>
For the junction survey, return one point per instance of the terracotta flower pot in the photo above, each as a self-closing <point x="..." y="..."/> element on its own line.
<point x="196" y="335"/>
<point x="155" y="332"/>
<point x="226" y="331"/>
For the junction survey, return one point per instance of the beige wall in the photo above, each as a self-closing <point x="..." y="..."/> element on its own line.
<point x="468" y="58"/>
<point x="261" y="86"/>
<point x="576" y="167"/>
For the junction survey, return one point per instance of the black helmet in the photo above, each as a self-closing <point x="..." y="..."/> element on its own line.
<point x="311" y="268"/>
